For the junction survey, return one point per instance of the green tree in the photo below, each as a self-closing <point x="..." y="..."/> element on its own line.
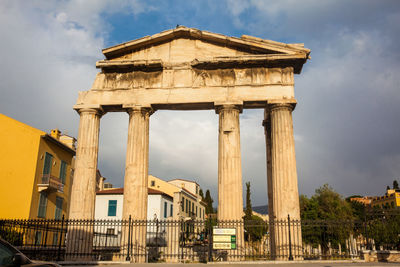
<point x="326" y="216"/>
<point x="358" y="210"/>
<point x="395" y="184"/>
<point x="387" y="187"/>
<point x="332" y="205"/>
<point x="201" y="194"/>
<point x="209" y="201"/>
<point x="249" y="210"/>
<point x="254" y="226"/>
<point x="384" y="228"/>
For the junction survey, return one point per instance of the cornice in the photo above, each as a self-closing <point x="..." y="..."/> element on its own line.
<point x="249" y="43"/>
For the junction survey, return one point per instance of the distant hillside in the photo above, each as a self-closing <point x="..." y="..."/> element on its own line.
<point x="261" y="209"/>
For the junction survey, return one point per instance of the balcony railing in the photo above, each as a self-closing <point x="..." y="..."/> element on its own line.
<point x="51" y="183"/>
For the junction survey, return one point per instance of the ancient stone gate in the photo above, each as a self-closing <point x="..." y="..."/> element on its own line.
<point x="189" y="69"/>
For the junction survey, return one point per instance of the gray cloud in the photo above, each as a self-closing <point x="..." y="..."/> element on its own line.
<point x="348" y="92"/>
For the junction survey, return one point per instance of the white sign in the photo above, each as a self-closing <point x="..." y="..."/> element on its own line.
<point x="222" y="238"/>
<point x="221" y="245"/>
<point x="224" y="231"/>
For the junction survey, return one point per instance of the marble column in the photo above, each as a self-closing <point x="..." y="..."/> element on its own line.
<point x="284" y="186"/>
<point x="136" y="175"/>
<point x="230" y="196"/>
<point x="267" y="132"/>
<point x="83" y="193"/>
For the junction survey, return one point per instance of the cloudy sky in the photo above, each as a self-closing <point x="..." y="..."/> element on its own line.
<point x="347" y="121"/>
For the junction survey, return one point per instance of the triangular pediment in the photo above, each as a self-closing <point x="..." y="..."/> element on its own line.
<point x="187" y="44"/>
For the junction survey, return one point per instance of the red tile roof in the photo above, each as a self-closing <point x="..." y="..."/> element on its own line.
<point x="111" y="191"/>
<point x="120" y="191"/>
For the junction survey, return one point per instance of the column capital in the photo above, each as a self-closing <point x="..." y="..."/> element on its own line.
<point x="278" y="106"/>
<point x="97" y="111"/>
<point x="281" y="104"/>
<point x="228" y="106"/>
<point x="143" y="110"/>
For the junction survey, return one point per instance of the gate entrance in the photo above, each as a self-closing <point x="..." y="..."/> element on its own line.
<point x="189" y="69"/>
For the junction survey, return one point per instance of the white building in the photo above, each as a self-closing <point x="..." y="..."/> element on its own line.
<point x="109" y="204"/>
<point x="177" y="200"/>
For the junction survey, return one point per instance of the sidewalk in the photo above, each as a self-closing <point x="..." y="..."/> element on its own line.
<point x="255" y="264"/>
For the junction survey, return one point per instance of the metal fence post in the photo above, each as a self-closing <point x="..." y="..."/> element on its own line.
<point x="182" y="238"/>
<point x="366" y="233"/>
<point x="59" y="243"/>
<point x="128" y="258"/>
<point x="290" y="240"/>
<point x="210" y="232"/>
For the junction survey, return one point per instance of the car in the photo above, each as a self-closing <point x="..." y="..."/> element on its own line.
<point x="11" y="256"/>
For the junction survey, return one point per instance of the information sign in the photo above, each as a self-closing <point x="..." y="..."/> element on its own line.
<point x="224" y="238"/>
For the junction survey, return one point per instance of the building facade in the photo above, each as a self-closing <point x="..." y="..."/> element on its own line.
<point x="188" y="203"/>
<point x="109" y="204"/>
<point x="390" y="200"/>
<point x="176" y="199"/>
<point x="36" y="171"/>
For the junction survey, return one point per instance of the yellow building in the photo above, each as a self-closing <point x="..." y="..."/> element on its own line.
<point x="389" y="201"/>
<point x="35" y="171"/>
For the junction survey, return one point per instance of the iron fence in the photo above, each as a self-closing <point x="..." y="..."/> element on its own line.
<point x="192" y="240"/>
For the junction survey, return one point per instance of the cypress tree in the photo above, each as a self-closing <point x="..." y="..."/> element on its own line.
<point x="208" y="199"/>
<point x="249" y="211"/>
<point x="201" y="194"/>
<point x="395" y="184"/>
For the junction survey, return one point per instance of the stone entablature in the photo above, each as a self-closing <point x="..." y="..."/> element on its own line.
<point x="187" y="76"/>
<point x="176" y="88"/>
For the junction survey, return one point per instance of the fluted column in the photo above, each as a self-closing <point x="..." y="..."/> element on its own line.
<point x="230" y="198"/>
<point x="267" y="132"/>
<point x="285" y="194"/>
<point x="136" y="173"/>
<point x="83" y="193"/>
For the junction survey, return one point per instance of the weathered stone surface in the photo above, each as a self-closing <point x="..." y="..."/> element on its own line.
<point x="282" y="178"/>
<point x="189" y="77"/>
<point x="83" y="191"/>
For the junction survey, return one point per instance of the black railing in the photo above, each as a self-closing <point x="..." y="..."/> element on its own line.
<point x="192" y="241"/>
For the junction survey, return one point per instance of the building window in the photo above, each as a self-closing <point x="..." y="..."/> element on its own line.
<point x="112" y="208"/>
<point x="63" y="171"/>
<point x="187" y="205"/>
<point x="59" y="204"/>
<point x="165" y="209"/>
<point x="192" y="207"/>
<point x="196" y="210"/>
<point x="48" y="159"/>
<point x="183" y="204"/>
<point x="172" y="210"/>
<point x="42" y="205"/>
<point x="153" y="183"/>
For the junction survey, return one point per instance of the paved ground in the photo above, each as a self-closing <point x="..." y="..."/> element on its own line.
<point x="259" y="264"/>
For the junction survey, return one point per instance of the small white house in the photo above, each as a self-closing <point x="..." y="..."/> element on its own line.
<point x="109" y="203"/>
